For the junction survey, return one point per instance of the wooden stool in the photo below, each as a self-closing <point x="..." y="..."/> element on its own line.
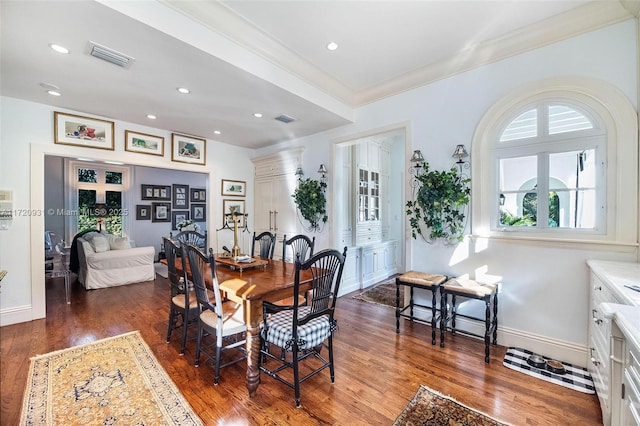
<point x="421" y="280"/>
<point x="470" y="289"/>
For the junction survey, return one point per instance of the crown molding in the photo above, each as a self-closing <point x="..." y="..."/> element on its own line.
<point x="633" y="6"/>
<point x="560" y="27"/>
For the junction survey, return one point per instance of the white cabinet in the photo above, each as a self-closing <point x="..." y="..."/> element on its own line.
<point x="274" y="209"/>
<point x="351" y="271"/>
<point x="378" y="262"/>
<point x="607" y="286"/>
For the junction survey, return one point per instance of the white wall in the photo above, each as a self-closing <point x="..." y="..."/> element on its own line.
<point x="26" y="138"/>
<point x="544" y="296"/>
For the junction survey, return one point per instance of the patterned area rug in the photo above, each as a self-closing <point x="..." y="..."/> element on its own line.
<point x="431" y="408"/>
<point x="576" y="378"/>
<point x="111" y="381"/>
<point x="383" y="293"/>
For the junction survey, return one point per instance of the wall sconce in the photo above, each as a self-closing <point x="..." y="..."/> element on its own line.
<point x="100" y="212"/>
<point x="299" y="173"/>
<point x="323" y="173"/>
<point x="502" y="197"/>
<point x="461" y="152"/>
<point x="417" y="166"/>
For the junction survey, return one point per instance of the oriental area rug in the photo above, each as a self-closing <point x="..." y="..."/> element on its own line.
<point x="111" y="381"/>
<point x="383" y="293"/>
<point x="430" y="408"/>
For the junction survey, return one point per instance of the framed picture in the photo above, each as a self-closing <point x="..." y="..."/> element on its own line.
<point x="237" y="206"/>
<point x="180" y="197"/>
<point x="143" y="143"/>
<point x="235" y="188"/>
<point x="198" y="212"/>
<point x="177" y="217"/>
<point x="143" y="212"/>
<point x="160" y="212"/>
<point x="198" y="195"/>
<point x="155" y="192"/>
<point x="69" y="129"/>
<point x="187" y="149"/>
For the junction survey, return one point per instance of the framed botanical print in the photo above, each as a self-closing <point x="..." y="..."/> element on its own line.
<point x="198" y="212"/>
<point x="177" y="217"/>
<point x="198" y="195"/>
<point x="233" y="206"/>
<point x="155" y="192"/>
<point x="160" y="212"/>
<point x="70" y="129"/>
<point x="234" y="188"/>
<point x="143" y="212"/>
<point x="143" y="143"/>
<point x="180" y="197"/>
<point x="187" y="149"/>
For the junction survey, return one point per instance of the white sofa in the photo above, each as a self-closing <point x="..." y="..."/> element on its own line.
<point x="106" y="260"/>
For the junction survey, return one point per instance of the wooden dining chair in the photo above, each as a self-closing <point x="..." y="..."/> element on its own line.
<point x="304" y="329"/>
<point x="301" y="247"/>
<point x="266" y="242"/>
<point x="183" y="301"/>
<point x="222" y="319"/>
<point x="192" y="237"/>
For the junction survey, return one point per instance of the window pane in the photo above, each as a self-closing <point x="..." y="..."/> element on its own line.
<point x="113" y="177"/>
<point x="113" y="199"/>
<point x="525" y="126"/>
<point x="576" y="208"/>
<point x="564" y="119"/>
<point x="519" y="173"/>
<point x="513" y="211"/>
<point x="572" y="169"/>
<point x="87" y="175"/>
<point x="86" y="200"/>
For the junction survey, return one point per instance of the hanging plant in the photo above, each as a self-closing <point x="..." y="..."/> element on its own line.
<point x="311" y="202"/>
<point x="441" y="198"/>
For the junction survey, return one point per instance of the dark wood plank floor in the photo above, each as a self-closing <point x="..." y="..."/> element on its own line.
<point x="377" y="370"/>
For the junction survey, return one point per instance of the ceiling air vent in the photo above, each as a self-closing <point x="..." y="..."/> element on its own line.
<point x="110" y="55"/>
<point x="285" y="118"/>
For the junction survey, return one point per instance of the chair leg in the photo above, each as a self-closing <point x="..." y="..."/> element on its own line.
<point x="216" y="377"/>
<point x="172" y="318"/>
<point x="454" y="311"/>
<point x="296" y="374"/>
<point x="331" y="369"/>
<point x="495" y="318"/>
<point x="487" y="324"/>
<point x="443" y="316"/>
<point x="185" y="323"/>
<point x="433" y="315"/>
<point x="198" y="343"/>
<point x="397" y="308"/>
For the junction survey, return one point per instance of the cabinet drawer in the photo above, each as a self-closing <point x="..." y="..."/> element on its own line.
<point x="633" y="367"/>
<point x="600" y="293"/>
<point x="598" y="368"/>
<point x="631" y="402"/>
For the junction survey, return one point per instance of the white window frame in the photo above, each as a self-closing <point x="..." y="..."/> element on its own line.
<point x="611" y="112"/>
<point x="72" y="185"/>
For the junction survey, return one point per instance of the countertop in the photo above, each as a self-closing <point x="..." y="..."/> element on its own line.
<point x="617" y="275"/>
<point x="628" y="320"/>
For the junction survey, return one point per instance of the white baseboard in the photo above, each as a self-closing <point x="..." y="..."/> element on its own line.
<point x="561" y="350"/>
<point x="348" y="288"/>
<point x="15" y="315"/>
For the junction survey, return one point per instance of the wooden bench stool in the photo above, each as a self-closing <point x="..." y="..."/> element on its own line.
<point x="421" y="280"/>
<point x="470" y="289"/>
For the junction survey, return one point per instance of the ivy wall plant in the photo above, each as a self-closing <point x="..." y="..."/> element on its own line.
<point x="310" y="199"/>
<point x="439" y="205"/>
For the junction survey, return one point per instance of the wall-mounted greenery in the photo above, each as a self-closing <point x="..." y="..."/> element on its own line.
<point x="439" y="204"/>
<point x="311" y="202"/>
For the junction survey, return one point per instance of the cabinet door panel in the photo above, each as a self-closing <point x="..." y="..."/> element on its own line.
<point x="263" y="220"/>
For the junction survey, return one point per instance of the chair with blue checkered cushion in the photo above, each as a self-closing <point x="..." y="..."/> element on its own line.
<point x="303" y="330"/>
<point x="301" y="247"/>
<point x="222" y="319"/>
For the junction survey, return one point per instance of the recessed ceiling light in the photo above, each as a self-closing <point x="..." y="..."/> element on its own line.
<point x="53" y="93"/>
<point x="217" y="132"/>
<point x="151" y="116"/>
<point x="58" y="48"/>
<point x="49" y="86"/>
<point x="332" y="46"/>
<point x="257" y="115"/>
<point x="183" y="90"/>
<point x="117" y="163"/>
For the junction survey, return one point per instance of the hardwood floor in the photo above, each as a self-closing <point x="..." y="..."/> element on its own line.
<point x="377" y="370"/>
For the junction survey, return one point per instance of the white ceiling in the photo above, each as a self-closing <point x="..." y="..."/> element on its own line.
<point x="241" y="57"/>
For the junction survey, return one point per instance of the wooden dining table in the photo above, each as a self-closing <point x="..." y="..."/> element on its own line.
<point x="252" y="287"/>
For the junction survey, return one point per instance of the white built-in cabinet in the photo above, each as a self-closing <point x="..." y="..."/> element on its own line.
<point x="363" y="223"/>
<point x="274" y="208"/>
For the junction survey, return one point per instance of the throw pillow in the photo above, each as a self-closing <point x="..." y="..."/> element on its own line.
<point x="100" y="243"/>
<point x="119" y="243"/>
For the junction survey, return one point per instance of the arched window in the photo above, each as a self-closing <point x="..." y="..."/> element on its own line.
<point x="557" y="160"/>
<point x="558" y="150"/>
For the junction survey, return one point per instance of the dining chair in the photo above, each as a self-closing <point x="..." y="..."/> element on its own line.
<point x="183" y="300"/>
<point x="192" y="237"/>
<point x="301" y="247"/>
<point x="266" y="244"/>
<point x="220" y="318"/>
<point x="304" y="330"/>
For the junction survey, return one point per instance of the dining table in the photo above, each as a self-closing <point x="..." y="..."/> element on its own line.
<point x="272" y="282"/>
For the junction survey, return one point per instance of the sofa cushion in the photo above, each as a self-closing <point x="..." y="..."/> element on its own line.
<point x="118" y="243"/>
<point x="100" y="243"/>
